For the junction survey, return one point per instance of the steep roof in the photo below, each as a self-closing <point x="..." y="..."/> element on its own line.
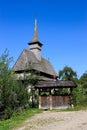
<point x="55" y="84"/>
<point x="28" y="56"/>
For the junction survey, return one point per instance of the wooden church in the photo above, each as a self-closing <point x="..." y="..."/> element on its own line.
<point x="50" y="88"/>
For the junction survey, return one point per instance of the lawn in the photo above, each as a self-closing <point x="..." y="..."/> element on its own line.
<point x="17" y="120"/>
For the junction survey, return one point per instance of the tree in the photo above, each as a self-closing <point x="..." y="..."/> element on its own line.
<point x="83" y="78"/>
<point x="79" y="96"/>
<point x="83" y="83"/>
<point x="80" y="93"/>
<point x="67" y="73"/>
<point x="12" y="94"/>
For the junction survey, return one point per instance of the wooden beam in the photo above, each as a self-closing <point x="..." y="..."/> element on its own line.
<point x="50" y="100"/>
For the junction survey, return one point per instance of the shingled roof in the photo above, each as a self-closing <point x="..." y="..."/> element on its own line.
<point x="28" y="56"/>
<point x="55" y="84"/>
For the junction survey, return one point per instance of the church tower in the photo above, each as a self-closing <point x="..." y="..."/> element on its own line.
<point x="35" y="45"/>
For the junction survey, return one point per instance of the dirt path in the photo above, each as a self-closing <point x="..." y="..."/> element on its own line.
<point x="57" y="121"/>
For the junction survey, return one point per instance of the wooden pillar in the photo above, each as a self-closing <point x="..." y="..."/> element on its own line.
<point x="50" y="100"/>
<point x="71" y="99"/>
<point x="39" y="99"/>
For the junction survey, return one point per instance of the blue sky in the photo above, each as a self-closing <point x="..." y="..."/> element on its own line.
<point x="62" y="28"/>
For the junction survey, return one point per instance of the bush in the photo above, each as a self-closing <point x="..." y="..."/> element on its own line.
<point x="13" y="95"/>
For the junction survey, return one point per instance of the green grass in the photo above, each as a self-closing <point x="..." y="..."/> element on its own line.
<point x="76" y="108"/>
<point x="17" y="120"/>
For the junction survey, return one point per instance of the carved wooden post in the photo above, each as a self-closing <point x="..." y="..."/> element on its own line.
<point x="39" y="99"/>
<point x="50" y="100"/>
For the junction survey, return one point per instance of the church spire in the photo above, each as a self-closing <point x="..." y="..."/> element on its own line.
<point x="35" y="38"/>
<point x="35" y="44"/>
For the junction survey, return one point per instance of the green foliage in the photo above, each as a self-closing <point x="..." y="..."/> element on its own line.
<point x="16" y="120"/>
<point x="83" y="78"/>
<point x="67" y="73"/>
<point x="83" y="89"/>
<point x="80" y="93"/>
<point x="79" y="96"/>
<point x="31" y="77"/>
<point x="12" y="94"/>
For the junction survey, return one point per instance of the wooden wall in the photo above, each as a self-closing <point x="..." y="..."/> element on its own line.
<point x="57" y="101"/>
